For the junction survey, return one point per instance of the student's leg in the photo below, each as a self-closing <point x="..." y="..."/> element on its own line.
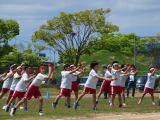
<point x="152" y="97"/>
<point x="99" y="95"/>
<point x="123" y="98"/>
<point x="140" y="101"/>
<point x="133" y="89"/>
<point x="40" y="102"/>
<point x="120" y="100"/>
<point x="76" y="95"/>
<point x="11" y="101"/>
<point x="94" y="100"/>
<point x="68" y="101"/>
<point x="1" y="95"/>
<point x="20" y="103"/>
<point x="80" y="97"/>
<point x="8" y="99"/>
<point x="112" y="99"/>
<point x="57" y="99"/>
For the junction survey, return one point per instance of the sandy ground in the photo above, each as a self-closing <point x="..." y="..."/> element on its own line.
<point x="122" y="116"/>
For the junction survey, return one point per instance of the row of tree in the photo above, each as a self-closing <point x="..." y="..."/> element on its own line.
<point x="73" y="35"/>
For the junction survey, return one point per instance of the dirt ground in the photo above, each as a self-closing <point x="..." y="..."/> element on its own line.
<point x="122" y="116"/>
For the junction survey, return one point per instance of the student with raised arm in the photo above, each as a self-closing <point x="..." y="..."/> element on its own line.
<point x="106" y="84"/>
<point x="90" y="85"/>
<point x="7" y="81"/>
<point x="74" y="78"/>
<point x="33" y="89"/>
<point x="123" y="77"/>
<point x="65" y="88"/>
<point x="149" y="86"/>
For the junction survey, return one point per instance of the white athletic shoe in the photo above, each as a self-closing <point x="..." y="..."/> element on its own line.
<point x="4" y="107"/>
<point x="41" y="113"/>
<point x="153" y="103"/>
<point x="21" y="108"/>
<point x="13" y="111"/>
<point x="124" y="104"/>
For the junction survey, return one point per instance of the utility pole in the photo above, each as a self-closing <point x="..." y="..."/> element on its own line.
<point x="135" y="52"/>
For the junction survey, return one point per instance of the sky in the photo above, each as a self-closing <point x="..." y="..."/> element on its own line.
<point x="132" y="16"/>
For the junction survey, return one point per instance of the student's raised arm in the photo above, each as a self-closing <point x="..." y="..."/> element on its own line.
<point x="8" y="76"/>
<point x="103" y="78"/>
<point x="50" y="71"/>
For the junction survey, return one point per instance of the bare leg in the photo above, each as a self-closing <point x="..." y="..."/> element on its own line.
<point x="40" y="103"/>
<point x="112" y="99"/>
<point x="57" y="99"/>
<point x="152" y="97"/>
<point x="20" y="102"/>
<point x="68" y="101"/>
<point x="123" y="98"/>
<point x="99" y="95"/>
<point x="140" y="101"/>
<point x="11" y="101"/>
<point x="76" y="95"/>
<point x="94" y="100"/>
<point x="1" y="95"/>
<point x="80" y="97"/>
<point x="120" y="99"/>
<point x="8" y="99"/>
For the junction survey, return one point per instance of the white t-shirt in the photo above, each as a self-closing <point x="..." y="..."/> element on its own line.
<point x="115" y="75"/>
<point x="92" y="80"/>
<point x="37" y="81"/>
<point x="151" y="80"/>
<point x="15" y="81"/>
<point x="22" y="84"/>
<point x="7" y="83"/>
<point x="66" y="79"/>
<point x="74" y="76"/>
<point x="123" y="79"/>
<point x="131" y="77"/>
<point x="108" y="74"/>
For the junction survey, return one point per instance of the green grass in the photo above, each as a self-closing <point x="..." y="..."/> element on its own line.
<point x="84" y="109"/>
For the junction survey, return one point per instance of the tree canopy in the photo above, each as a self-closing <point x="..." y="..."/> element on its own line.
<point x="71" y="33"/>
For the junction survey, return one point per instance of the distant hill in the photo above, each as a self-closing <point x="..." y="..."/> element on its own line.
<point x="105" y="57"/>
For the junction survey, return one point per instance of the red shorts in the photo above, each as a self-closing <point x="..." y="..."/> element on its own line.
<point x="65" y="92"/>
<point x="11" y="93"/>
<point x="89" y="90"/>
<point x="148" y="90"/>
<point x="105" y="86"/>
<point x="32" y="91"/>
<point x="75" y="86"/>
<point x="123" y="89"/>
<point x="18" y="94"/>
<point x="4" y="90"/>
<point x="116" y="90"/>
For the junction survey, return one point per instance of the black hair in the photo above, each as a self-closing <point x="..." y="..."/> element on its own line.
<point x="93" y="64"/>
<point x="114" y="62"/>
<point x="123" y="65"/>
<point x="66" y="66"/>
<point x="133" y="66"/>
<point x="105" y="67"/>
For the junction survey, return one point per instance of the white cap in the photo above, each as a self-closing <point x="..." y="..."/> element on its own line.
<point x="151" y="69"/>
<point x="115" y="64"/>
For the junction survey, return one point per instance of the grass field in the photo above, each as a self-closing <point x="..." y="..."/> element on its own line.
<point x="84" y="109"/>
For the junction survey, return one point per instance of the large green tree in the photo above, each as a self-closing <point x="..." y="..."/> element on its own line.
<point x="71" y="33"/>
<point x="8" y="30"/>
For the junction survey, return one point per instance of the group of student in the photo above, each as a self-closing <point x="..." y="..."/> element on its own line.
<point x="22" y="83"/>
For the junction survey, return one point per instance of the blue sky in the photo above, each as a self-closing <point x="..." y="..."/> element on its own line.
<point x="132" y="16"/>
